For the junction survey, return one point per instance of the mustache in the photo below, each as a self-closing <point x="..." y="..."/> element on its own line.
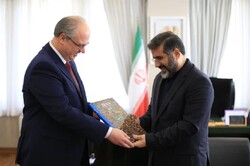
<point x="168" y="72"/>
<point x="164" y="67"/>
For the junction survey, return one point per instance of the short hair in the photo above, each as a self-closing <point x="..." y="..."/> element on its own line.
<point x="169" y="40"/>
<point x="67" y="25"/>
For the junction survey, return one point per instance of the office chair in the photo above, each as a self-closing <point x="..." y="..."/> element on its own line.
<point x="224" y="96"/>
<point x="229" y="151"/>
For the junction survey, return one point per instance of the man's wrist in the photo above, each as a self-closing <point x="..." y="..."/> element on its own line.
<point x="108" y="133"/>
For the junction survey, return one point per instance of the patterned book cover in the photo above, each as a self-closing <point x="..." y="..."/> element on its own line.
<point x="111" y="113"/>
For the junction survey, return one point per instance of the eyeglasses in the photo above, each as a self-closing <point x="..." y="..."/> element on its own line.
<point x="76" y="44"/>
<point x="158" y="59"/>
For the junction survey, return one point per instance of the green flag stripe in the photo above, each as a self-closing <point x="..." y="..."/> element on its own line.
<point x="137" y="45"/>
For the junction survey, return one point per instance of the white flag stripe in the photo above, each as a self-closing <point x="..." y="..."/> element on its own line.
<point x="138" y="78"/>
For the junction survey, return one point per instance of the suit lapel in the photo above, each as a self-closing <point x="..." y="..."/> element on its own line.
<point x="156" y="105"/>
<point x="65" y="71"/>
<point x="179" y="80"/>
<point x="58" y="61"/>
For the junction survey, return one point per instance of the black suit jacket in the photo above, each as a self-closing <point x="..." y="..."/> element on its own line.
<point x="178" y="130"/>
<point x="57" y="122"/>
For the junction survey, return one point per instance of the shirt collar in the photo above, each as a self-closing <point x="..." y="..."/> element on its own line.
<point x="57" y="52"/>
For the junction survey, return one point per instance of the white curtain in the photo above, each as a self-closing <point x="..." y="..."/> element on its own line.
<point x="27" y="25"/>
<point x="209" y="22"/>
<point x="236" y="58"/>
<point x="124" y="16"/>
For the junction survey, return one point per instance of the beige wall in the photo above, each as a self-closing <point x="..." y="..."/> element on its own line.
<point x="166" y="8"/>
<point x="9" y="131"/>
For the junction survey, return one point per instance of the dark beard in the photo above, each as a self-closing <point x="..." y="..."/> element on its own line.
<point x="171" y="68"/>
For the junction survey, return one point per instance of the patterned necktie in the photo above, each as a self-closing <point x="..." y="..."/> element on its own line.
<point x="72" y="75"/>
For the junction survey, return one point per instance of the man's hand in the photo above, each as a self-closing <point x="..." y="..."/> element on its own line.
<point x="118" y="137"/>
<point x="140" y="141"/>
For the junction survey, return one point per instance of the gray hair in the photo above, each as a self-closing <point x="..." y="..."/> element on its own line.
<point x="68" y="25"/>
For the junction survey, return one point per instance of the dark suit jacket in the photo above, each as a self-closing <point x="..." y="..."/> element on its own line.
<point x="178" y="130"/>
<point x="57" y="122"/>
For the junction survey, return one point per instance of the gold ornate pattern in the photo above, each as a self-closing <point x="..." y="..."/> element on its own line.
<point x="109" y="110"/>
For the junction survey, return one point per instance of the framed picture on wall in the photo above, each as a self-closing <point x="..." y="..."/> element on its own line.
<point x="163" y="24"/>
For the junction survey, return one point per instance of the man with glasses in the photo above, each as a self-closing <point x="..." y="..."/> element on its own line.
<point x="58" y="122"/>
<point x="177" y="118"/>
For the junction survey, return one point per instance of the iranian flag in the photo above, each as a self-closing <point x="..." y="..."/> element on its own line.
<point x="138" y="90"/>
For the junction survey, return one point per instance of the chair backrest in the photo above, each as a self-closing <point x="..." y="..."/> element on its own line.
<point x="229" y="151"/>
<point x="224" y="96"/>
